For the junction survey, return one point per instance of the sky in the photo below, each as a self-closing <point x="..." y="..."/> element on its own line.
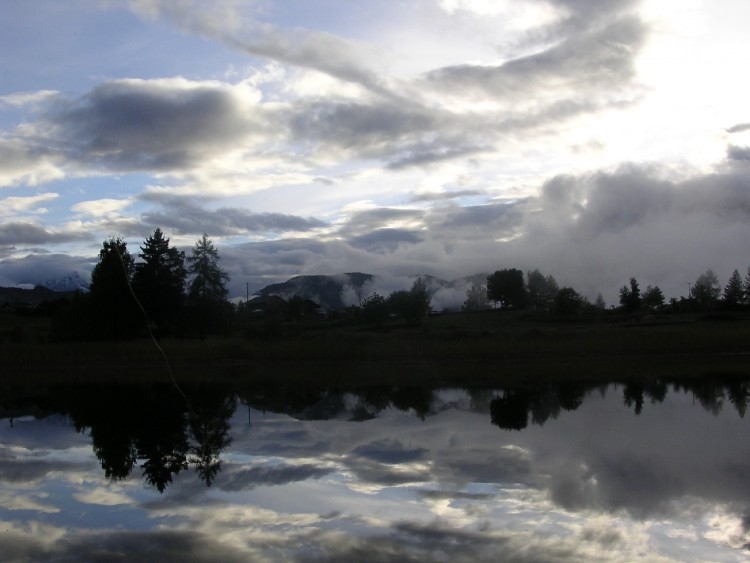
<point x="594" y="140"/>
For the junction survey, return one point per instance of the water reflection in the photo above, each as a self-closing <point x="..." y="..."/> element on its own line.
<point x="560" y="471"/>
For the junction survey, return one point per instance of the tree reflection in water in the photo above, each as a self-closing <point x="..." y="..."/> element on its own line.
<point x="208" y="418"/>
<point x="153" y="425"/>
<point x="156" y="427"/>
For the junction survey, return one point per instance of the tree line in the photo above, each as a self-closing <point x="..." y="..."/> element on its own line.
<point x="509" y="289"/>
<point x="165" y="293"/>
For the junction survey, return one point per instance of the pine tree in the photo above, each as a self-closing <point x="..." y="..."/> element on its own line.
<point x="207" y="291"/>
<point x="733" y="291"/>
<point x="630" y="298"/>
<point x="159" y="281"/>
<point x="209" y="280"/>
<point x="112" y="311"/>
<point x="653" y="298"/>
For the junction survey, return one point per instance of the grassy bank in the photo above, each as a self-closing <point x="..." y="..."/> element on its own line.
<point x="460" y="349"/>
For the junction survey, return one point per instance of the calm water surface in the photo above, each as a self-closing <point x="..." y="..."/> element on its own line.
<point x="557" y="473"/>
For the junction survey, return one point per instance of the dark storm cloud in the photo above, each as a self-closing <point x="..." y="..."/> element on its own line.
<point x="158" y="125"/>
<point x="183" y="216"/>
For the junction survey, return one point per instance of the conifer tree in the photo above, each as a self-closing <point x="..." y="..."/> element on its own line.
<point x="734" y="291"/>
<point x="159" y="281"/>
<point x="207" y="290"/>
<point x="112" y="310"/>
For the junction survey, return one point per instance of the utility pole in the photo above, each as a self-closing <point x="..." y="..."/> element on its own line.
<point x="247" y="288"/>
<point x="690" y="290"/>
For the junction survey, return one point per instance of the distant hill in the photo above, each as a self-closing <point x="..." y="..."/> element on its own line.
<point x="16" y="297"/>
<point x="334" y="292"/>
<point x="326" y="291"/>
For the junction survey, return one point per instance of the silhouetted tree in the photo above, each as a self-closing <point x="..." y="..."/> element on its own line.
<point x="207" y="290"/>
<point x="413" y="305"/>
<point x="630" y="297"/>
<point x="653" y="298"/>
<point x="511" y="410"/>
<point x="112" y="308"/>
<point x="568" y="302"/>
<point x="734" y="294"/>
<point x="159" y="281"/>
<point x="161" y="436"/>
<point x="417" y="398"/>
<point x="541" y="291"/>
<point x="600" y="303"/>
<point x="209" y="426"/>
<point x="633" y="396"/>
<point x="706" y="290"/>
<point x="507" y="288"/>
<point x="738" y="393"/>
<point x="374" y="309"/>
<point x="570" y="395"/>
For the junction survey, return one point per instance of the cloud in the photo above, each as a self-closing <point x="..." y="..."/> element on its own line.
<point x="39" y="267"/>
<point x="26" y="233"/>
<point x="597" y="61"/>
<point x="390" y="452"/>
<point x="738" y="153"/>
<point x="739" y="128"/>
<point x="183" y="216"/>
<point x="10" y="206"/>
<point x="320" y="51"/>
<point x="26" y="163"/>
<point x="156" y="125"/>
<point x="247" y="479"/>
<point x="591" y="231"/>
<point x="385" y="240"/>
<point x="365" y="129"/>
<point x="443" y="196"/>
<point x="20" y="99"/>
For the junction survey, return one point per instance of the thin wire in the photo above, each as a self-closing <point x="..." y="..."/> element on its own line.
<point x="148" y="326"/>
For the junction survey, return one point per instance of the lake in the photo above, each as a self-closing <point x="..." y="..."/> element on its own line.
<point x="652" y="470"/>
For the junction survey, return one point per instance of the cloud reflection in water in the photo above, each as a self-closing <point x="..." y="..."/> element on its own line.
<point x="606" y="474"/>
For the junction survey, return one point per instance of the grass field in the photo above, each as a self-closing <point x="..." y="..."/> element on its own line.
<point x="467" y="349"/>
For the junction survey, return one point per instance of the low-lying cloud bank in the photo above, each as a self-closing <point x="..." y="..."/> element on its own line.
<point x="591" y="231"/>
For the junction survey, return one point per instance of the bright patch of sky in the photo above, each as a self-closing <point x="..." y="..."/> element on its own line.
<point x="116" y="115"/>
